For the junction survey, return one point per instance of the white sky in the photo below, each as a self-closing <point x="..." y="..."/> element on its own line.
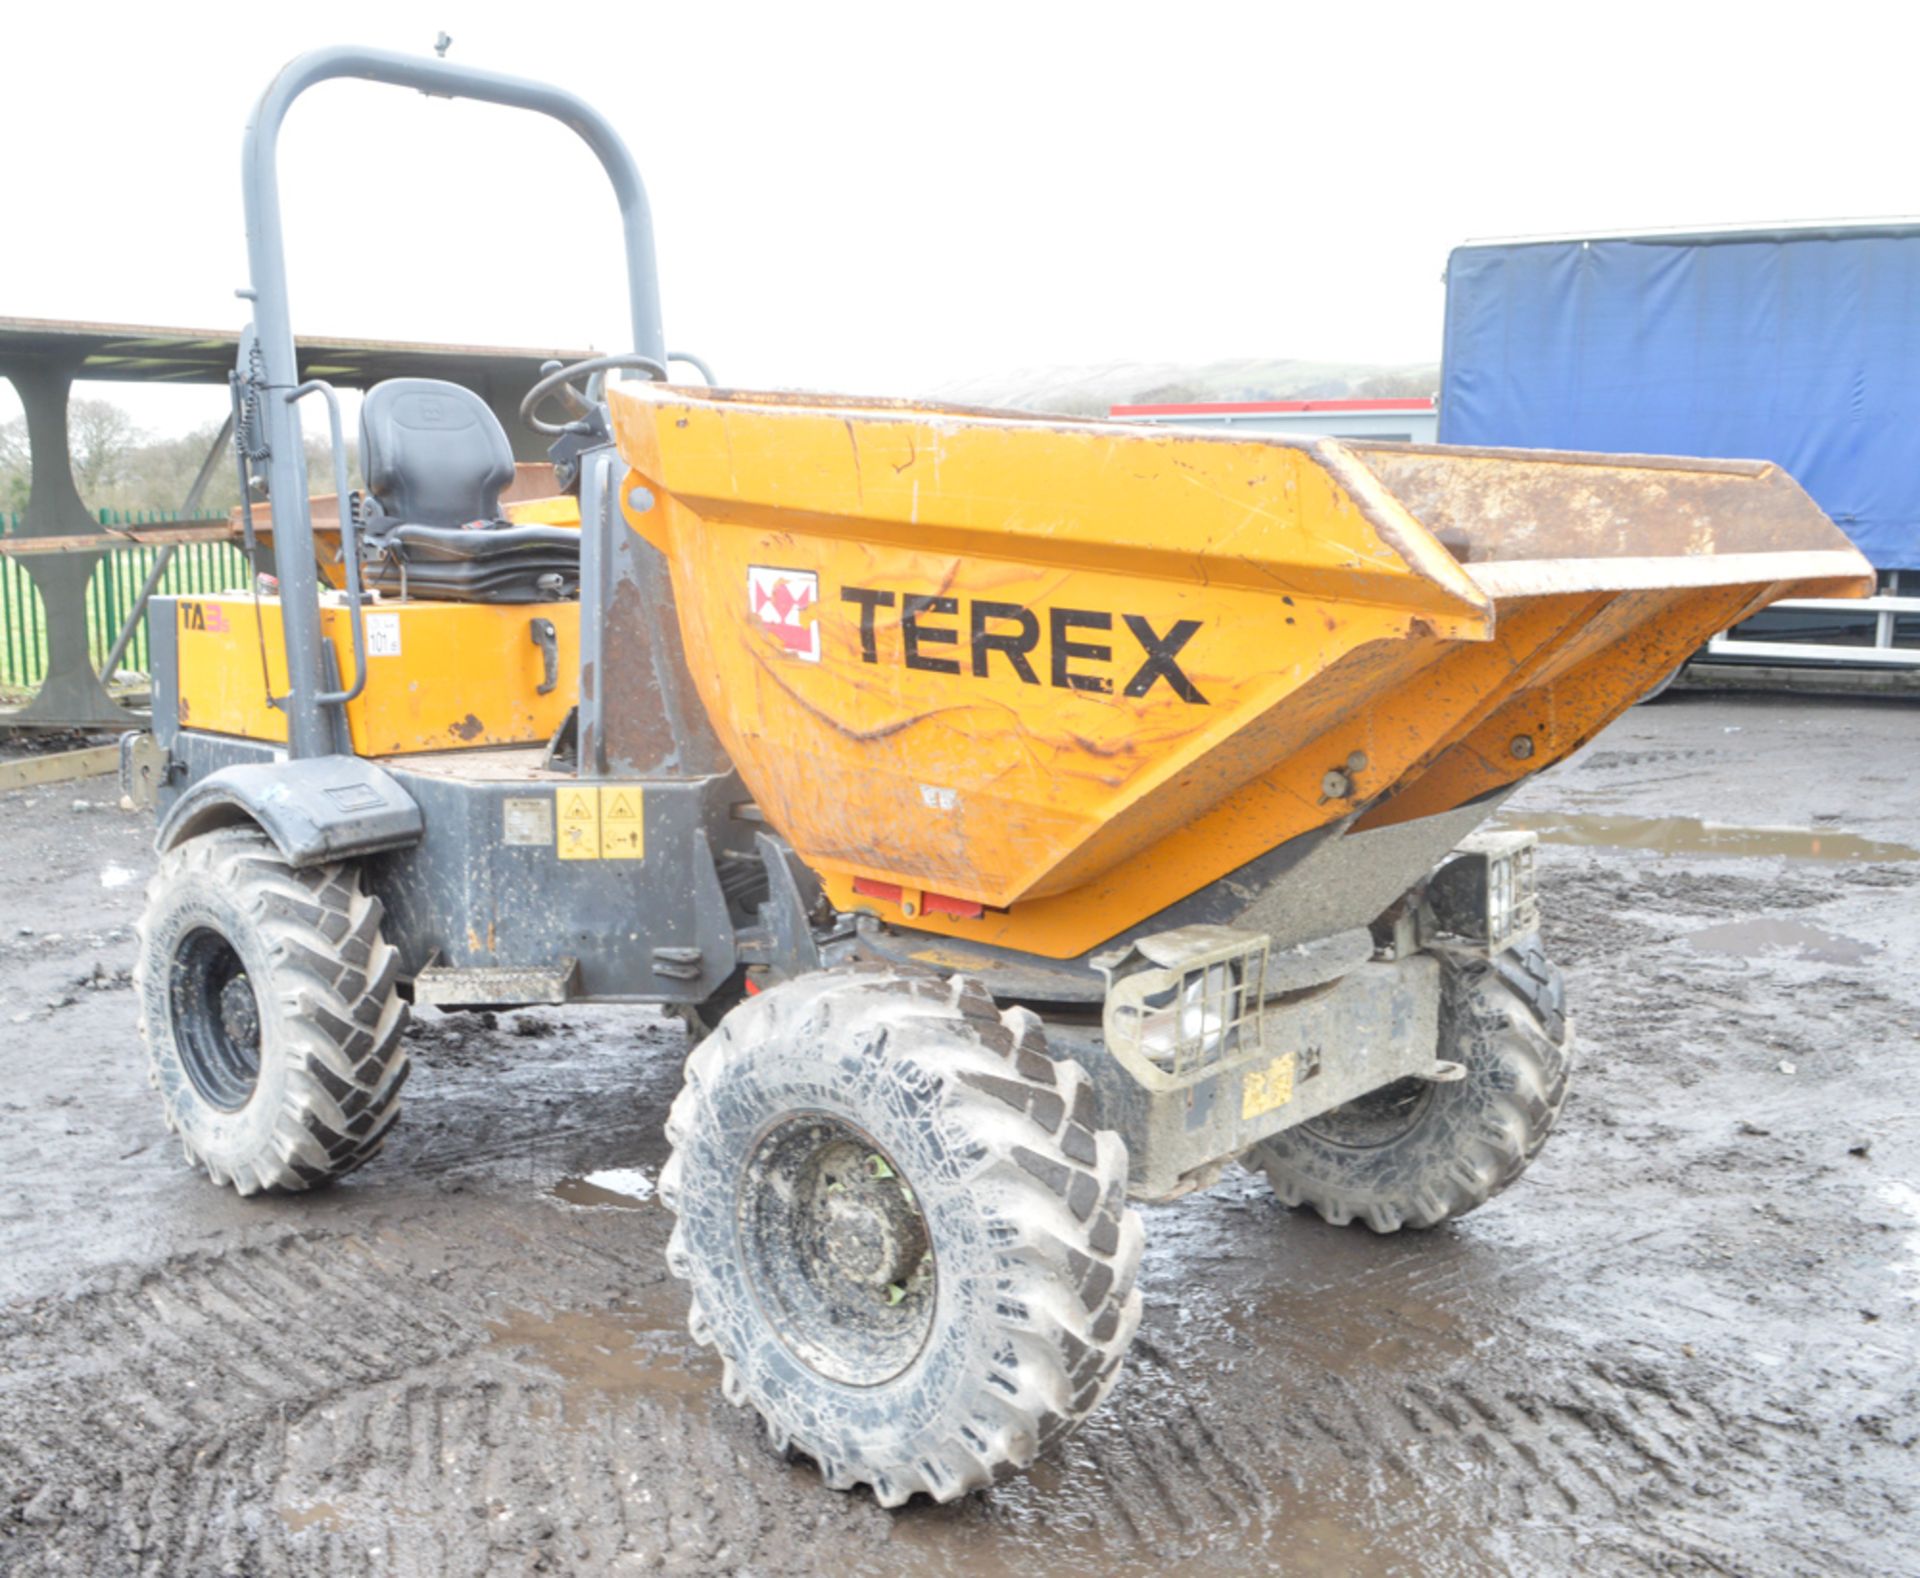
<point x="885" y="198"/>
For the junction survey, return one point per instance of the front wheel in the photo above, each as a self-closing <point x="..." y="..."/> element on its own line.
<point x="270" y="1013"/>
<point x="903" y="1231"/>
<point x="1417" y="1153"/>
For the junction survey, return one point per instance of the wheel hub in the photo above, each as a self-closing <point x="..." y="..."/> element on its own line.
<point x="239" y="1013"/>
<point x="839" y="1256"/>
<point x="874" y="1235"/>
<point x="215" y="1019"/>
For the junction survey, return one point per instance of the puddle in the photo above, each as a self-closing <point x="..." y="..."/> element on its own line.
<point x="117" y="876"/>
<point x="621" y="1352"/>
<point x="1685" y="835"/>
<point x="627" y="1188"/>
<point x="322" y="1514"/>
<point x="1905" y="1199"/>
<point x="1758" y="938"/>
<point x="1370" y="1329"/>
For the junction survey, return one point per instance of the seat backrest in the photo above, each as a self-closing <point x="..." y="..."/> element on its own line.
<point x="432" y="453"/>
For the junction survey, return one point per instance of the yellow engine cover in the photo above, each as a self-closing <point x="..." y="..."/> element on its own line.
<point x="440" y="676"/>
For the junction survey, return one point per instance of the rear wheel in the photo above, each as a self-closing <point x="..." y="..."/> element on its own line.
<point x="1417" y="1153"/>
<point x="270" y="1012"/>
<point x="1663" y="686"/>
<point x="902" y="1230"/>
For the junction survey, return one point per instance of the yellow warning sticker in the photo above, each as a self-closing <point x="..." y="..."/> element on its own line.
<point x="622" y="823"/>
<point x="606" y="823"/>
<point x="1263" y="1089"/>
<point x="576" y="816"/>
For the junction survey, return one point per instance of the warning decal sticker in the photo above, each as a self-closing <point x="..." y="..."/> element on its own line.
<point x="577" y="823"/>
<point x="1263" y="1089"/>
<point x="603" y="823"/>
<point x="622" y="834"/>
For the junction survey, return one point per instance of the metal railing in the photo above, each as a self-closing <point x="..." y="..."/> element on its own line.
<point x="203" y="567"/>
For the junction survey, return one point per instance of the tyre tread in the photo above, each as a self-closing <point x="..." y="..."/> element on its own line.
<point x="334" y="988"/>
<point x="1513" y="1006"/>
<point x="1069" y="1306"/>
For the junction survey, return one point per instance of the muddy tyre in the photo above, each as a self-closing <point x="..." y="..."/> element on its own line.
<point x="269" y="1009"/>
<point x="903" y="1232"/>
<point x="1419" y="1153"/>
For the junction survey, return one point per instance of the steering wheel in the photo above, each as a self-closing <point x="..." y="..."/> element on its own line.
<point x="561" y="380"/>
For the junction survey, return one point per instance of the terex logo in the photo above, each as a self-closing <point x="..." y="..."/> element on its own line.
<point x="1009" y="634"/>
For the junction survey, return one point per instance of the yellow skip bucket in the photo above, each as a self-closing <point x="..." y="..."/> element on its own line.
<point x="1028" y="681"/>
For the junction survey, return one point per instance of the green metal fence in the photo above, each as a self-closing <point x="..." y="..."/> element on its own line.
<point x="197" y="567"/>
<point x="23" y="632"/>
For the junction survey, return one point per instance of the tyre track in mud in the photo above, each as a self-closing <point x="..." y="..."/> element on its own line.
<point x="278" y="1466"/>
<point x="323" y="1449"/>
<point x="1444" y="1454"/>
<point x="205" y="1354"/>
<point x="319" y="1449"/>
<point x="1173" y="1476"/>
<point x="305" y="1405"/>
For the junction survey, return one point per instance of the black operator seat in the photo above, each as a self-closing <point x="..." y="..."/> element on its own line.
<point x="436" y="460"/>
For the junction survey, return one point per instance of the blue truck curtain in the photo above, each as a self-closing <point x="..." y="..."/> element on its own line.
<point x="1798" y="348"/>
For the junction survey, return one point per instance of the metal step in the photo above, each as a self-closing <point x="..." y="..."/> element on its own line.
<point x="497" y="986"/>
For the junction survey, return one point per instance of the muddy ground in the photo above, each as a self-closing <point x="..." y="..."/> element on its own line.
<point x="1686" y="1342"/>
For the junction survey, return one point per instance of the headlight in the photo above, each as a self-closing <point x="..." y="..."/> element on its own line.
<point x="1191" y="1016"/>
<point x="1183" y="999"/>
<point x="1484" y="891"/>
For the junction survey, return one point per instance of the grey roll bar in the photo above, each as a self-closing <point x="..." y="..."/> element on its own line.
<point x="307" y="730"/>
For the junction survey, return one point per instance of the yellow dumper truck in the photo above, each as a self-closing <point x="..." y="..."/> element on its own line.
<point x="1029" y="816"/>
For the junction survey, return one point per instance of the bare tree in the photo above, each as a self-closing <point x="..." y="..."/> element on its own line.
<point x="101" y="440"/>
<point x="16" y="473"/>
<point x="117" y="466"/>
